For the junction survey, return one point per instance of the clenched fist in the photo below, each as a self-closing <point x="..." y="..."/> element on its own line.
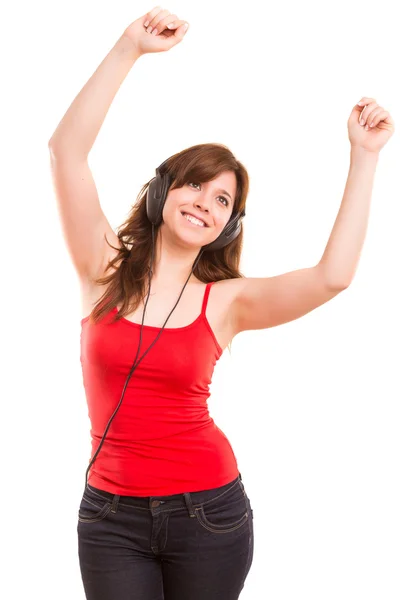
<point x="370" y="126"/>
<point x="157" y="31"/>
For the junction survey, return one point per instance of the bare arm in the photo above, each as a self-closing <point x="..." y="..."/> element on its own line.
<point x="84" y="223"/>
<point x="79" y="127"/>
<point x="83" y="220"/>
<point x="269" y="301"/>
<point x="343" y="250"/>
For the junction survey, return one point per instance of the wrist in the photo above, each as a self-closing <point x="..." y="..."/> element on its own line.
<point x="126" y="48"/>
<point x="359" y="154"/>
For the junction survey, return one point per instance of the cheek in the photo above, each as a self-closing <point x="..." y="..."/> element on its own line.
<point x="168" y="211"/>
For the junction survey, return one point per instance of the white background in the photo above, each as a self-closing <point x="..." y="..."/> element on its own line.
<point x="311" y="408"/>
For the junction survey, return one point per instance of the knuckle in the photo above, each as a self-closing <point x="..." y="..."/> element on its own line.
<point x="160" y="20"/>
<point x="155" y="15"/>
<point x="155" y="10"/>
<point x="167" y="20"/>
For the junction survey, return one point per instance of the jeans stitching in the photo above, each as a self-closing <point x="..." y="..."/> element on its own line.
<point x="201" y="517"/>
<point x="195" y="506"/>
<point x="99" y="516"/>
<point x="92" y="503"/>
<point x="251" y="541"/>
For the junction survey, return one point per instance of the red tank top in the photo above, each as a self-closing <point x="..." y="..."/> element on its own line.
<point x="162" y="440"/>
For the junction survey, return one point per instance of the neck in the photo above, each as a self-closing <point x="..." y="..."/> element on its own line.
<point x="172" y="265"/>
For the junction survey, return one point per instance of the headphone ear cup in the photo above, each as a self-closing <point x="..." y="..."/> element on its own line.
<point x="230" y="232"/>
<point x="156" y="196"/>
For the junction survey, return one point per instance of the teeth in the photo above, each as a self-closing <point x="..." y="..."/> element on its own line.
<point x="194" y="220"/>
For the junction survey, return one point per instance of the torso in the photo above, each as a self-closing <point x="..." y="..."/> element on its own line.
<point x="219" y="312"/>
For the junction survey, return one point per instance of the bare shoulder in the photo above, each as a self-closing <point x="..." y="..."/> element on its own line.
<point x="228" y="290"/>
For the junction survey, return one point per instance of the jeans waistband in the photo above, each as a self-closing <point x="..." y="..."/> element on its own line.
<point x="174" y="501"/>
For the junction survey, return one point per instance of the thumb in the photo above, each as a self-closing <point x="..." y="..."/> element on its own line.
<point x="356" y="112"/>
<point x="178" y="35"/>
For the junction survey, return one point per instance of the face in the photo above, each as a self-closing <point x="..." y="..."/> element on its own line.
<point x="210" y="202"/>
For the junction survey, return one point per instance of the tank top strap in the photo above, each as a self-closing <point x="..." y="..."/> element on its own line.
<point x="205" y="299"/>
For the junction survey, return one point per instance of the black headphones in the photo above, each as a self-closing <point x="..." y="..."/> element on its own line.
<point x="157" y="195"/>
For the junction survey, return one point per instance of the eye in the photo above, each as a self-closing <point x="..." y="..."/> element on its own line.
<point x="223" y="197"/>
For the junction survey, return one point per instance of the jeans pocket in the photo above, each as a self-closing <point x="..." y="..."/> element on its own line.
<point x="225" y="514"/>
<point x="93" y="508"/>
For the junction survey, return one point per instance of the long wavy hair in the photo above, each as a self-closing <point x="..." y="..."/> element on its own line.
<point x="127" y="284"/>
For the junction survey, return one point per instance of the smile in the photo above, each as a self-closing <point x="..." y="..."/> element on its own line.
<point x="193" y="220"/>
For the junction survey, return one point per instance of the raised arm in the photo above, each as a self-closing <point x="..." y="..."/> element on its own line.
<point x="262" y="302"/>
<point x="83" y="221"/>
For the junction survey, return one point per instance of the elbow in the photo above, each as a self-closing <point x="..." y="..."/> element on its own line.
<point x="333" y="281"/>
<point x="338" y="287"/>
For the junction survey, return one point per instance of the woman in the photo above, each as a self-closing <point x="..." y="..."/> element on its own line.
<point x="164" y="513"/>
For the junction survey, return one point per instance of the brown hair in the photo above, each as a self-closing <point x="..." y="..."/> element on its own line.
<point x="128" y="282"/>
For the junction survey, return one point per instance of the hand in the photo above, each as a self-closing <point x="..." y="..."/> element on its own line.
<point x="364" y="136"/>
<point x="170" y="31"/>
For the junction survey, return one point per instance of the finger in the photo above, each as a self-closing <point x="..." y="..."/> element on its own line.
<point x="373" y="116"/>
<point x="175" y="24"/>
<point x="383" y="117"/>
<point x="154" y="23"/>
<point x="367" y="111"/>
<point x="389" y="121"/>
<point x="152" y="17"/>
<point x="165" y="24"/>
<point x="181" y="30"/>
<point x="178" y="34"/>
<point x="364" y="101"/>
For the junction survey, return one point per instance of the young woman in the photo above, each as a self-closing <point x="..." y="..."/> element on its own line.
<point x="164" y="513"/>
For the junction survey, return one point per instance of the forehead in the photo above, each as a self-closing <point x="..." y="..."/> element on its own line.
<point x="226" y="180"/>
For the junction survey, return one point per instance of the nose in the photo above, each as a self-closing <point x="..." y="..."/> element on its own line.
<point x="202" y="205"/>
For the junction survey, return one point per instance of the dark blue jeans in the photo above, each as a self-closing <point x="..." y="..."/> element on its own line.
<point x="192" y="546"/>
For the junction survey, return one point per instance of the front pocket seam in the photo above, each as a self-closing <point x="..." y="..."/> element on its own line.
<point x="218" y="528"/>
<point x="98" y="517"/>
<point x="93" y="503"/>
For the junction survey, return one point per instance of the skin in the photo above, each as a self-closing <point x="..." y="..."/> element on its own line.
<point x="179" y="242"/>
<point x="261" y="302"/>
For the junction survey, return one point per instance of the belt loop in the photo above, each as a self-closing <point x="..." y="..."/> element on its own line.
<point x="241" y="484"/>
<point x="189" y="504"/>
<point x="115" y="503"/>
